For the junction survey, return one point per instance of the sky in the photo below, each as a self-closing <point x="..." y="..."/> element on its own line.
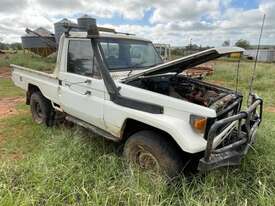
<point x="206" y="22"/>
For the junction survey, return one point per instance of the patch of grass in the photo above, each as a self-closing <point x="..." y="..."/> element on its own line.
<point x="263" y="83"/>
<point x="7" y="89"/>
<point x="69" y="166"/>
<point x="62" y="166"/>
<point x="29" y="60"/>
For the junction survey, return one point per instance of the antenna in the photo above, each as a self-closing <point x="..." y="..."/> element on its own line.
<point x="256" y="59"/>
<point x="238" y="72"/>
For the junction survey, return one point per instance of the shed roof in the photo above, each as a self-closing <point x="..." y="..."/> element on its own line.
<point x="42" y="31"/>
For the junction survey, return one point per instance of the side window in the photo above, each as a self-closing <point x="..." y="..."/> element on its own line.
<point x="81" y="58"/>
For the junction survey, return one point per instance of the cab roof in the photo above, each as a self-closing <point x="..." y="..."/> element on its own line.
<point x="108" y="35"/>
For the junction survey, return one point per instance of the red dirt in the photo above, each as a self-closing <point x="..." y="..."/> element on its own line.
<point x="8" y="104"/>
<point x="270" y="109"/>
<point x="13" y="155"/>
<point x="1" y="139"/>
<point x="5" y="72"/>
<point x="16" y="155"/>
<point x="7" y="108"/>
<point x="217" y="82"/>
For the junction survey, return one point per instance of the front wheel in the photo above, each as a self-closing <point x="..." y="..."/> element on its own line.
<point x="151" y="150"/>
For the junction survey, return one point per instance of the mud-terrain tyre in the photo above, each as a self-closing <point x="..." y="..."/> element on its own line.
<point x="151" y="150"/>
<point x="41" y="108"/>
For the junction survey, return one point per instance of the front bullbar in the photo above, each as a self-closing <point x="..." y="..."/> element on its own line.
<point x="248" y="122"/>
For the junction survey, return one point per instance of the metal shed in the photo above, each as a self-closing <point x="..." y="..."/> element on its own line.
<point x="42" y="44"/>
<point x="265" y="55"/>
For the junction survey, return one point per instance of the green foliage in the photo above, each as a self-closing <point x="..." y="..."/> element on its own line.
<point x="177" y="52"/>
<point x="263" y="83"/>
<point x="29" y="60"/>
<point x="3" y="46"/>
<point x="70" y="166"/>
<point x="226" y="43"/>
<point x="7" y="89"/>
<point x="243" y="43"/>
<point x="15" y="46"/>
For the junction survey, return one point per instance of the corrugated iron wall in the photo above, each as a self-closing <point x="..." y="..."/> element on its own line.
<point x="265" y="55"/>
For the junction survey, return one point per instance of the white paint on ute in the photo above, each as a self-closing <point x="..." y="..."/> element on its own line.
<point x="110" y="116"/>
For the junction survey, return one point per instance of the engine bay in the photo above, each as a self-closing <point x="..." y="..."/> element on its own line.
<point x="188" y="89"/>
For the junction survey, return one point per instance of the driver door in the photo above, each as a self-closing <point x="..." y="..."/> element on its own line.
<point x="82" y="89"/>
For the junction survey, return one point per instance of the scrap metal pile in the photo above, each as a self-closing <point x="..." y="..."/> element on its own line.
<point x="200" y="71"/>
<point x="43" y="42"/>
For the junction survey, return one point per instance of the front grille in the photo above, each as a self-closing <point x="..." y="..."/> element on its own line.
<point x="210" y="121"/>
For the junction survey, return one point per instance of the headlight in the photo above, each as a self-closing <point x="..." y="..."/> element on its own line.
<point x="198" y="123"/>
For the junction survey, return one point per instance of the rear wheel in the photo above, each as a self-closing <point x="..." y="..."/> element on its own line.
<point x="151" y="150"/>
<point x="41" y="108"/>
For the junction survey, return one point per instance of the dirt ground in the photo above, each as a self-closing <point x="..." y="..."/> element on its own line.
<point x="270" y="109"/>
<point x="217" y="82"/>
<point x="8" y="106"/>
<point x="5" y="72"/>
<point x="1" y="136"/>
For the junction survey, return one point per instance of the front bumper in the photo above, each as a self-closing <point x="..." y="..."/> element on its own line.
<point x="238" y="142"/>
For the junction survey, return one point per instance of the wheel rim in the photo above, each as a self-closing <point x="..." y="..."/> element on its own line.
<point x="38" y="110"/>
<point x="146" y="160"/>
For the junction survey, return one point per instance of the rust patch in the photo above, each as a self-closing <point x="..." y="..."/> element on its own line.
<point x="8" y="104"/>
<point x="270" y="109"/>
<point x="5" y="72"/>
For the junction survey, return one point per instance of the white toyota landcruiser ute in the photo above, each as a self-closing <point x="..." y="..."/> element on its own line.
<point x="118" y="86"/>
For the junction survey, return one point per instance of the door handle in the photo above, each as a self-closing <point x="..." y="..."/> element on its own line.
<point x="67" y="83"/>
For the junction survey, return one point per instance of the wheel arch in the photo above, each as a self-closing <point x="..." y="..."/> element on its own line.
<point x="31" y="89"/>
<point x="35" y="89"/>
<point x="131" y="126"/>
<point x="127" y="131"/>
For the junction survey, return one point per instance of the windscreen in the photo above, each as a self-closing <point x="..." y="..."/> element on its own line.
<point x="121" y="54"/>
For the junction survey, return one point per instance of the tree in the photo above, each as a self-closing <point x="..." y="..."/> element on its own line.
<point x="193" y="46"/>
<point x="226" y="43"/>
<point x="3" y="46"/>
<point x="177" y="51"/>
<point x="242" y="43"/>
<point x="16" y="46"/>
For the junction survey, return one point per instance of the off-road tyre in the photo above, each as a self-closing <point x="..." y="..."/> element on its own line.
<point x="41" y="109"/>
<point x="151" y="150"/>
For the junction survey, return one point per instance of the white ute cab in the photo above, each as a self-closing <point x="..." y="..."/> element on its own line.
<point x="117" y="86"/>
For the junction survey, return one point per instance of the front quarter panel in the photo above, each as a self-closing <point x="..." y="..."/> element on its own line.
<point x="174" y="120"/>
